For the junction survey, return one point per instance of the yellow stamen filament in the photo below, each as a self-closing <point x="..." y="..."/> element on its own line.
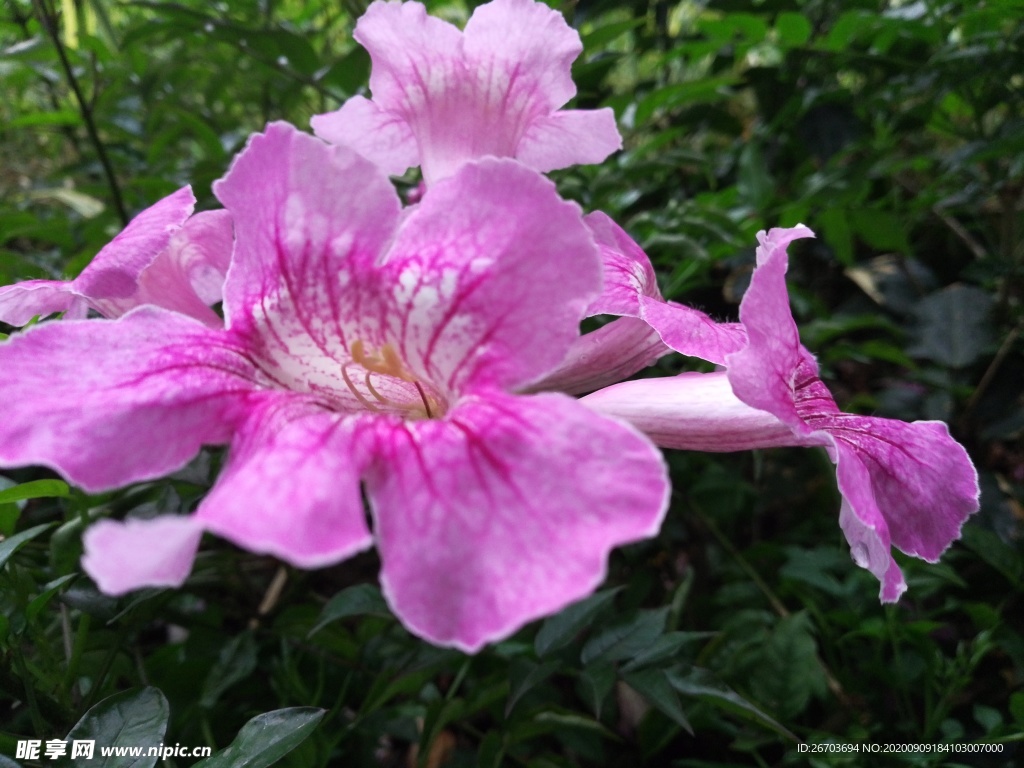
<point x="373" y="390"/>
<point x="386" y="362"/>
<point x="352" y="388"/>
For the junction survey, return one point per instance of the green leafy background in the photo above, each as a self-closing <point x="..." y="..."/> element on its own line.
<point x="894" y="129"/>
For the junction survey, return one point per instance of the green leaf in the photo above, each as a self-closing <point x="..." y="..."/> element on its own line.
<point x="793" y="29"/>
<point x="953" y="326"/>
<point x="237" y="660"/>
<point x="705" y="90"/>
<point x="654" y="685"/>
<point x="597" y="682"/>
<point x="664" y="648"/>
<point x="881" y="230"/>
<point x="357" y="600"/>
<point x="439" y="713"/>
<point x="995" y="552"/>
<point x="754" y="182"/>
<point x="1017" y="707"/>
<point x="492" y="749"/>
<point x="626" y="639"/>
<point x="701" y="684"/>
<point x="988" y="718"/>
<point x="36" y="489"/>
<point x="601" y="36"/>
<point x="40" y="601"/>
<point x="562" y="628"/>
<point x="38" y="119"/>
<point x="9" y="514"/>
<point x="790" y="673"/>
<point x="136" y="718"/>
<point x="267" y="738"/>
<point x="9" y="546"/>
<point x="850" y="25"/>
<point x="838" y="235"/>
<point x="349" y="73"/>
<point x="523" y="677"/>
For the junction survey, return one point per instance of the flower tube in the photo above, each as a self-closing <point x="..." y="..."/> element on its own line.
<point x="911" y="486"/>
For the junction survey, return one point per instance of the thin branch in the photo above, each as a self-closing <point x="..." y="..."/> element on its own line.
<point x="48" y="22"/>
<point x="960" y="231"/>
<point x="67" y="130"/>
<point x="990" y="373"/>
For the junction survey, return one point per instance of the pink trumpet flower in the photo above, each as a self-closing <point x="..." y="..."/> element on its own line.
<point x="363" y="347"/>
<point x="911" y="486"/>
<point x="442" y="97"/>
<point x="164" y="257"/>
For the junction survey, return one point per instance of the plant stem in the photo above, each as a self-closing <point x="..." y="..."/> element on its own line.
<point x="48" y="22"/>
<point x="741" y="561"/>
<point x="990" y="373"/>
<point x="30" y="695"/>
<point x="74" y="661"/>
<point x="101" y="678"/>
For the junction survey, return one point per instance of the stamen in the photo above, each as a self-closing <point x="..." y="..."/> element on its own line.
<point x="373" y="390"/>
<point x="352" y="388"/>
<point x="423" y="397"/>
<point x="385" y="362"/>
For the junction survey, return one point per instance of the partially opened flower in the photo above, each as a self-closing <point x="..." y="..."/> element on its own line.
<point x="165" y="257"/>
<point x="367" y="345"/>
<point x="442" y="96"/>
<point x="905" y="485"/>
<point x="627" y="344"/>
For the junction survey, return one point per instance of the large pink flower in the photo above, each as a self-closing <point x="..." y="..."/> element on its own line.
<point x="905" y="485"/>
<point x="363" y="346"/>
<point x="164" y="257"/>
<point x="442" y="97"/>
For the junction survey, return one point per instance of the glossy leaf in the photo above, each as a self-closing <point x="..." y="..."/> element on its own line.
<point x="267" y="738"/>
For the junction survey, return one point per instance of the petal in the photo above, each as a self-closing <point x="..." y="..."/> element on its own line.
<point x="20" y="302"/>
<point x="188" y="275"/>
<point x="291" y="486"/>
<point x="469" y="96"/>
<point x="305" y="215"/>
<point x="419" y="77"/>
<point x="692" y="411"/>
<point x="631" y="288"/>
<point x="413" y="54"/>
<point x="762" y="374"/>
<point x="605" y="356"/>
<point x="506" y="512"/>
<point x="569" y="137"/>
<point x="202" y="251"/>
<point x="922" y="480"/>
<point x="107" y="403"/>
<point x="381" y="136"/>
<point x="628" y="272"/>
<point x="490" y="276"/>
<point x="121" y="557"/>
<point x="691" y="332"/>
<point x="114" y="272"/>
<point x="527" y="50"/>
<point x="864" y="525"/>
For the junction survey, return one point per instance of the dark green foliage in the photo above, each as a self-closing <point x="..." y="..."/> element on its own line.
<point x="893" y="129"/>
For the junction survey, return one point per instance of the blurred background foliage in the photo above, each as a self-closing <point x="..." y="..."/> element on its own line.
<point x="895" y="129"/>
